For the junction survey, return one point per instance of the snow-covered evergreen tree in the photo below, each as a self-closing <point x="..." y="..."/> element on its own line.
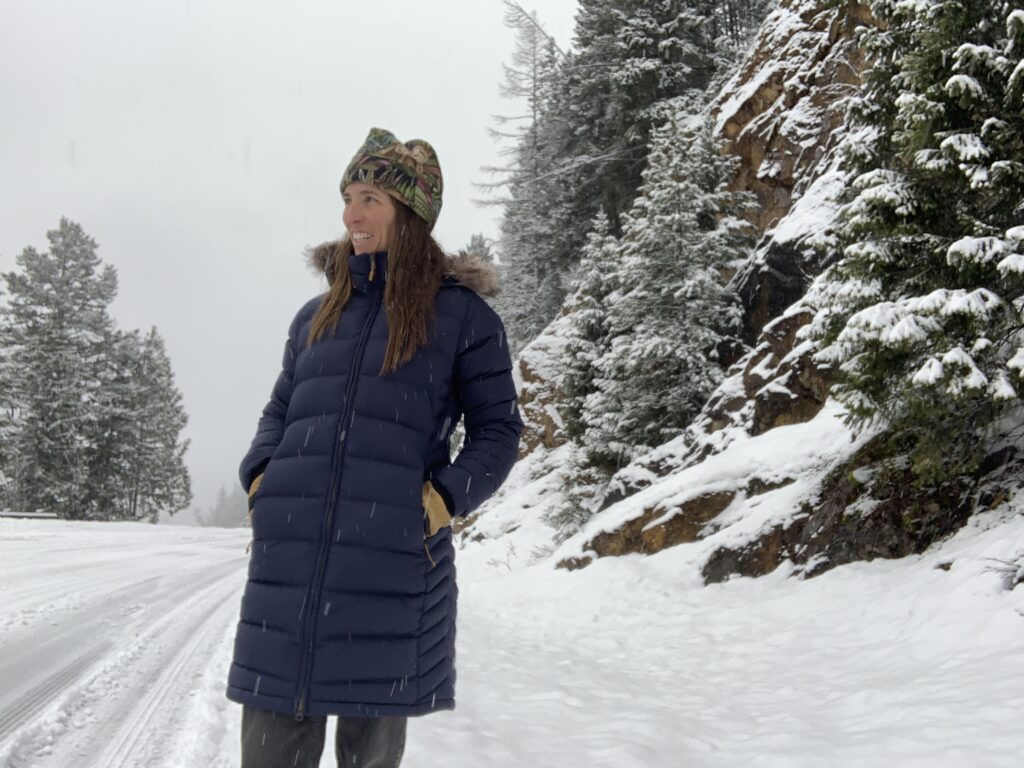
<point x="730" y="26"/>
<point x="629" y="56"/>
<point x="480" y="246"/>
<point x="532" y="286"/>
<point x="159" y="481"/>
<point x="922" y="315"/>
<point x="114" y="429"/>
<point x="7" y="408"/>
<point x="647" y="314"/>
<point x="588" y="338"/>
<point x="532" y="283"/>
<point x="91" y="420"/>
<point x="672" y="310"/>
<point x="56" y="325"/>
<point x="586" y="128"/>
<point x="583" y="485"/>
<point x="137" y="457"/>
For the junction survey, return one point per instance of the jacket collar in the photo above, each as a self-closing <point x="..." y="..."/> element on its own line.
<point x="368" y="270"/>
<point x="467" y="269"/>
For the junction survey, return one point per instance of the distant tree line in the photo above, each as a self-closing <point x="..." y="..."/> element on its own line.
<point x="90" y="418"/>
<point x="230" y="510"/>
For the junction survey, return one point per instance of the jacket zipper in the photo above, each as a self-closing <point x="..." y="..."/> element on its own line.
<point x="306" y="668"/>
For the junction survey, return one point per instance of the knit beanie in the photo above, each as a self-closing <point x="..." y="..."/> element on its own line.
<point x="408" y="172"/>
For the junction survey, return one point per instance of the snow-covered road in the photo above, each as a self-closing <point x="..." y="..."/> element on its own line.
<point x="115" y="641"/>
<point x="103" y="636"/>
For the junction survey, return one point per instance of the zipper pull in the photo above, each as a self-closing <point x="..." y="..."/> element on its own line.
<point x="302" y="707"/>
<point x="373" y="265"/>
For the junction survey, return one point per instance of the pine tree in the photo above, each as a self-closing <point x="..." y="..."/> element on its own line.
<point x="7" y="408"/>
<point x="113" y="437"/>
<point x="730" y="26"/>
<point x="56" y="325"/>
<point x="630" y="56"/>
<point x="531" y="284"/>
<point x="583" y="486"/>
<point x="136" y="460"/>
<point x="583" y="139"/>
<point x="90" y="419"/>
<point x="158" y="481"/>
<point x="922" y="315"/>
<point x="480" y="247"/>
<point x="595" y="278"/>
<point x="672" y="311"/>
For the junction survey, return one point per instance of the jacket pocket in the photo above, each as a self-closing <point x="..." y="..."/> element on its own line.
<point x="432" y="502"/>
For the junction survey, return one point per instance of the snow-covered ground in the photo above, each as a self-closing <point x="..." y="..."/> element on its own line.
<point x="115" y="641"/>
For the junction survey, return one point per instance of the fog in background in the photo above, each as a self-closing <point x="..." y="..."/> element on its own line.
<point x="201" y="146"/>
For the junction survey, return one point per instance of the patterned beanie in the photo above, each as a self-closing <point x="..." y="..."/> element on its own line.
<point x="409" y="172"/>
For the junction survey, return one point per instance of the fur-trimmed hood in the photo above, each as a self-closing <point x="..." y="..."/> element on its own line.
<point x="466" y="268"/>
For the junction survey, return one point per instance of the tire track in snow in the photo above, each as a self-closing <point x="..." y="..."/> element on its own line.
<point x="170" y="687"/>
<point x="29" y="595"/>
<point x="84" y="642"/>
<point x="37" y="602"/>
<point x="110" y="678"/>
<point x="74" y="640"/>
<point x="38" y="697"/>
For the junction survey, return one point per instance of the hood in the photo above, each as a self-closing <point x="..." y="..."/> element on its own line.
<point x="464" y="268"/>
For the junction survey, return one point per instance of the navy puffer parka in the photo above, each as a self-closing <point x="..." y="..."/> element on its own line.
<point x="349" y="609"/>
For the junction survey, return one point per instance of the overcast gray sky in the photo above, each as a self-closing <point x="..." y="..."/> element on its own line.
<point x="201" y="144"/>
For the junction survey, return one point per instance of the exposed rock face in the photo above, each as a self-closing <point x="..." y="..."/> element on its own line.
<point x="867" y="508"/>
<point x="781" y="116"/>
<point x="779" y="111"/>
<point x="688" y="523"/>
<point x="769" y="284"/>
<point x="537" y="411"/>
<point x="797" y="387"/>
<point x="538" y="390"/>
<point x="775" y="384"/>
<point x="685" y="525"/>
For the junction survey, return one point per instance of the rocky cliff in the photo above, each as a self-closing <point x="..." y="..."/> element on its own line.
<point x="769" y="471"/>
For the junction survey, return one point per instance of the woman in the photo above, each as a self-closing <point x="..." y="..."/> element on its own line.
<point x="350" y="603"/>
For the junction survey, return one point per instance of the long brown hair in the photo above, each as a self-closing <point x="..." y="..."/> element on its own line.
<point x="415" y="265"/>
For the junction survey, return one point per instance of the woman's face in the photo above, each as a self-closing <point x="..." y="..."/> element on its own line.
<point x="369" y="217"/>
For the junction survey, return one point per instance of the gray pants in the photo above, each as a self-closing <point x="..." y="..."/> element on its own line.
<point x="270" y="740"/>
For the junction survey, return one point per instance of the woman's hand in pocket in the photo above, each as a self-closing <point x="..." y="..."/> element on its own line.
<point x="435" y="511"/>
<point x="252" y="492"/>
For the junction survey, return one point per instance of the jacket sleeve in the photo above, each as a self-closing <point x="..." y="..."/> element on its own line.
<point x="270" y="428"/>
<point x="487" y="397"/>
